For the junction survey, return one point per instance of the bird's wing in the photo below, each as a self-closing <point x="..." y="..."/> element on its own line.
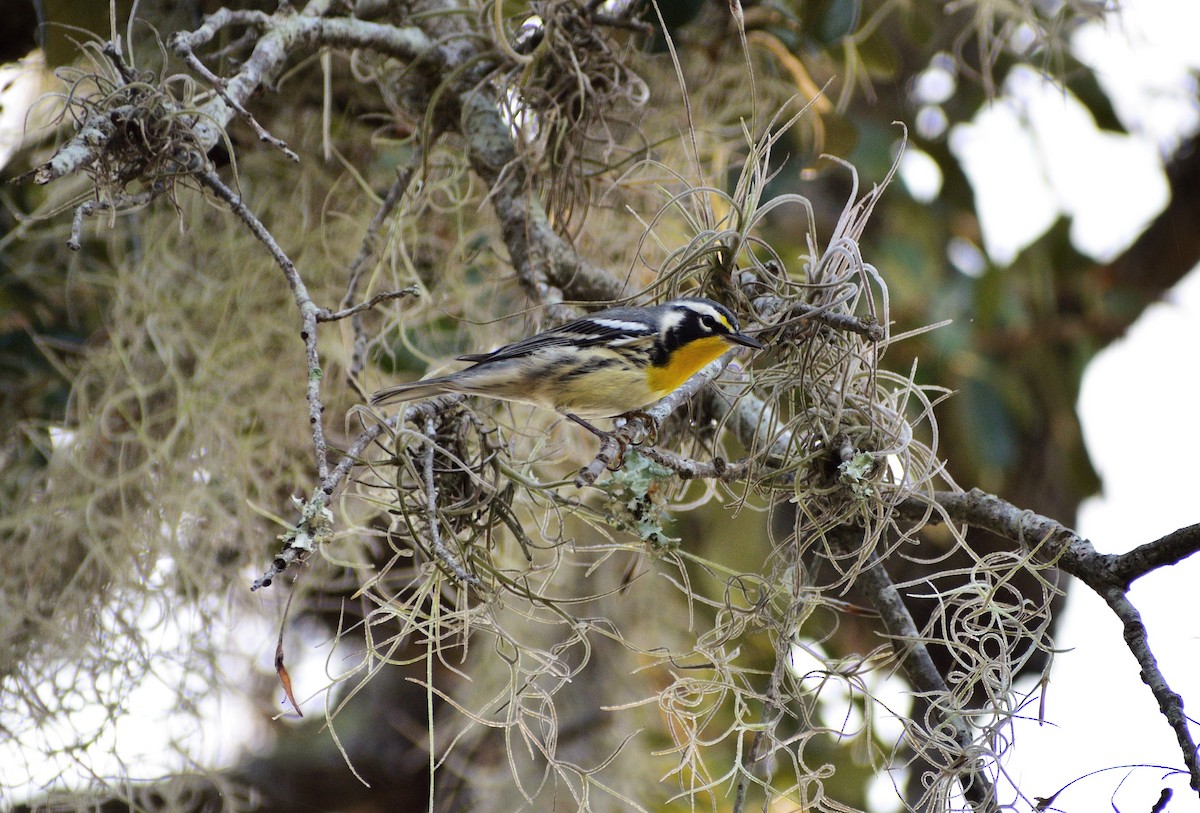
<point x="599" y="328"/>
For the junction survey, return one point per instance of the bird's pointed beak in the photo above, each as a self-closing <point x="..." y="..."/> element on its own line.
<point x="745" y="341"/>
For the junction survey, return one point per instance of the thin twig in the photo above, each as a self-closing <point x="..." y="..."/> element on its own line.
<point x="688" y="469"/>
<point x="295" y="542"/>
<point x="620" y="22"/>
<point x="128" y="74"/>
<point x="118" y="204"/>
<point x="326" y="315"/>
<point x="313" y="529"/>
<point x="218" y="85"/>
<point x="308" y="313"/>
<point x="1169" y="701"/>
<point x="367" y="250"/>
<point x="286" y="35"/>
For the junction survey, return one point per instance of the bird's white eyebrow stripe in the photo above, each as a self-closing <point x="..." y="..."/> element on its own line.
<point x="620" y="324"/>
<point x="708" y="310"/>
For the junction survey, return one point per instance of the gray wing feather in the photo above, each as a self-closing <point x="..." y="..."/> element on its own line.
<point x="584" y="332"/>
<point x="413" y="391"/>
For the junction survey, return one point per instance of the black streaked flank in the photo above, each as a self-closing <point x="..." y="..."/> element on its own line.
<point x="592" y="365"/>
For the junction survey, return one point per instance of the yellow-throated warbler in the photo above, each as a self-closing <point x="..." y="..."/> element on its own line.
<point x="610" y="363"/>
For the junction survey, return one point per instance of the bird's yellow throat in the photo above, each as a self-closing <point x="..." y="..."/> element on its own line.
<point x="684" y="363"/>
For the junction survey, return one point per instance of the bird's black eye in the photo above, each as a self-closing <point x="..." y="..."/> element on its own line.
<point x="710" y="324"/>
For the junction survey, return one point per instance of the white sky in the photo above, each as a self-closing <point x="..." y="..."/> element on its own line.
<point x="1139" y="411"/>
<point x="1139" y="399"/>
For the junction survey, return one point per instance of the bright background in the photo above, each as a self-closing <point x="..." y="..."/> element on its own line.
<point x="1033" y="154"/>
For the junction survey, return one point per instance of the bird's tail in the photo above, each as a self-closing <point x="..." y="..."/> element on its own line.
<point x="414" y="391"/>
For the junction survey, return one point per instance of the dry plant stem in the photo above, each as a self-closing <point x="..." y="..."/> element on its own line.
<point x="638" y="425"/>
<point x="916" y="664"/>
<point x="546" y="264"/>
<point x="308" y="314"/>
<point x="865" y="326"/>
<point x="366" y="9"/>
<point x="431" y="513"/>
<point x="1109" y="575"/>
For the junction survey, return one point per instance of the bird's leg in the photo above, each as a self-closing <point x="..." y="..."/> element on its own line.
<point x="597" y="432"/>
<point x="621" y="443"/>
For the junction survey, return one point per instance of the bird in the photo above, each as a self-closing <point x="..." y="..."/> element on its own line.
<point x="611" y="363"/>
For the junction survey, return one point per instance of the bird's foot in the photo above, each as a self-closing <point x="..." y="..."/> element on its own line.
<point x="620" y="438"/>
<point x="649" y="424"/>
<point x="624" y="437"/>
<point x="622" y="447"/>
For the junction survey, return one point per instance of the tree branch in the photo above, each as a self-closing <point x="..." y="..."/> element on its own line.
<point x="1169" y="550"/>
<point x="1169" y="702"/>
<point x="547" y="266"/>
<point x="315" y="521"/>
<point x="1109" y="575"/>
<point x="1047" y="538"/>
<point x="308" y="313"/>
<point x="326" y="315"/>
<point x="286" y="33"/>
<point x="918" y="668"/>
